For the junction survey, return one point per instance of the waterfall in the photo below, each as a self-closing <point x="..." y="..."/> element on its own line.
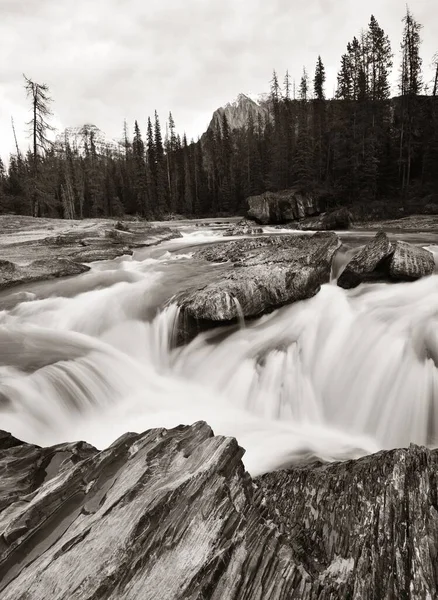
<point x="339" y="375"/>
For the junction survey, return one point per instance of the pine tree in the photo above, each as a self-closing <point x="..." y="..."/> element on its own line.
<point x="140" y="173"/>
<point x="411" y="81"/>
<point x="304" y="85"/>
<point x="380" y="61"/>
<point x="319" y="80"/>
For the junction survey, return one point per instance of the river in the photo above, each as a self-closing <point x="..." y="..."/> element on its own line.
<point x="337" y="376"/>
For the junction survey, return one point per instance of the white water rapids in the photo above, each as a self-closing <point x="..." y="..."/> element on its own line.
<point x="336" y="376"/>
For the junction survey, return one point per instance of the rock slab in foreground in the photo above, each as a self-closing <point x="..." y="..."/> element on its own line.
<point x="365" y="529"/>
<point x="269" y="272"/>
<point x="172" y="514"/>
<point x="165" y="514"/>
<point x="381" y="260"/>
<point x="272" y="208"/>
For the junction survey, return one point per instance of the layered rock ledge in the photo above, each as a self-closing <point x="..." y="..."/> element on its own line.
<point x="268" y="272"/>
<point x="172" y="514"/>
<point x="37" y="249"/>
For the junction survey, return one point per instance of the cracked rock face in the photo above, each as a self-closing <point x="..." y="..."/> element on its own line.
<point x="172" y="514"/>
<point x="269" y="273"/>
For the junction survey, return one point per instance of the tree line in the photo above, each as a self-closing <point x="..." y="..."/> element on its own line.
<point x="358" y="147"/>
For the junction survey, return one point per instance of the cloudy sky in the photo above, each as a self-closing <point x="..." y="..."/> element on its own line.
<point x="107" y="60"/>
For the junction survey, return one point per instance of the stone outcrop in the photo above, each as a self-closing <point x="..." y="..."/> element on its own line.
<point x="381" y="260"/>
<point x="410" y="262"/>
<point x="269" y="272"/>
<point x="285" y="206"/>
<point x="172" y="514"/>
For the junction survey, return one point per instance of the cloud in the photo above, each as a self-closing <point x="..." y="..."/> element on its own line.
<point x="108" y="60"/>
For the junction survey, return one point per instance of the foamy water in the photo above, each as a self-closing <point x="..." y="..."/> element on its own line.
<point x="340" y="375"/>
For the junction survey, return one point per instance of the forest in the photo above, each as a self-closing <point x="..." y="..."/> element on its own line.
<point x="363" y="148"/>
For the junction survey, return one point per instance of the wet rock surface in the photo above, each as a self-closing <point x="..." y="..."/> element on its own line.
<point x="382" y="260"/>
<point x="29" y="245"/>
<point x="269" y="272"/>
<point x="172" y="514"/>
<point x="37" y="270"/>
<point x="273" y="208"/>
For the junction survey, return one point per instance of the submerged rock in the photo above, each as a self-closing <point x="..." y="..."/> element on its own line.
<point x="410" y="262"/>
<point x="272" y="208"/>
<point x="243" y="227"/>
<point x="269" y="273"/>
<point x="381" y="260"/>
<point x="172" y="514"/>
<point x="50" y="268"/>
<point x="369" y="264"/>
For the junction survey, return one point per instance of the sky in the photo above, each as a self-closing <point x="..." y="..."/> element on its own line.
<point x="109" y="60"/>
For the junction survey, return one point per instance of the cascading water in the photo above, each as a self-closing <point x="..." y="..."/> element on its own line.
<point x="336" y="376"/>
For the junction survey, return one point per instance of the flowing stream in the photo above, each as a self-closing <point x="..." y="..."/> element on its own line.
<point x="337" y="376"/>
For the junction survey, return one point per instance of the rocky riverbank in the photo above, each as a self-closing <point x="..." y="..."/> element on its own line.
<point x="37" y="249"/>
<point x="173" y="514"/>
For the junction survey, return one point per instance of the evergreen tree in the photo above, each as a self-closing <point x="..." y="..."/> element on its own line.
<point x="319" y="80"/>
<point x="411" y="81"/>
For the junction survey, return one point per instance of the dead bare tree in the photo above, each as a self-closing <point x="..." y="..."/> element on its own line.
<point x="39" y="128"/>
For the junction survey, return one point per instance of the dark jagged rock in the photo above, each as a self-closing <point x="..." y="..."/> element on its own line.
<point x="381" y="260"/>
<point x="172" y="514"/>
<point x="13" y="274"/>
<point x="410" y="262"/>
<point x="364" y="529"/>
<point x="370" y="264"/>
<point x="336" y="220"/>
<point x="270" y="272"/>
<point x="282" y="207"/>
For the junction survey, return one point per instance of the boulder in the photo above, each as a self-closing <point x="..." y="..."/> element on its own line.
<point x="172" y="514"/>
<point x="410" y="262"/>
<point x="370" y="264"/>
<point x="338" y="219"/>
<point x="50" y="268"/>
<point x="269" y="272"/>
<point x="381" y="260"/>
<point x="281" y="207"/>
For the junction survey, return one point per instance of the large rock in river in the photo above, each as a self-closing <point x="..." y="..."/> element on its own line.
<point x="410" y="262"/>
<point x="285" y="206"/>
<point x="268" y="273"/>
<point x="369" y="264"/>
<point x="171" y="514"/>
<point x="381" y="260"/>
